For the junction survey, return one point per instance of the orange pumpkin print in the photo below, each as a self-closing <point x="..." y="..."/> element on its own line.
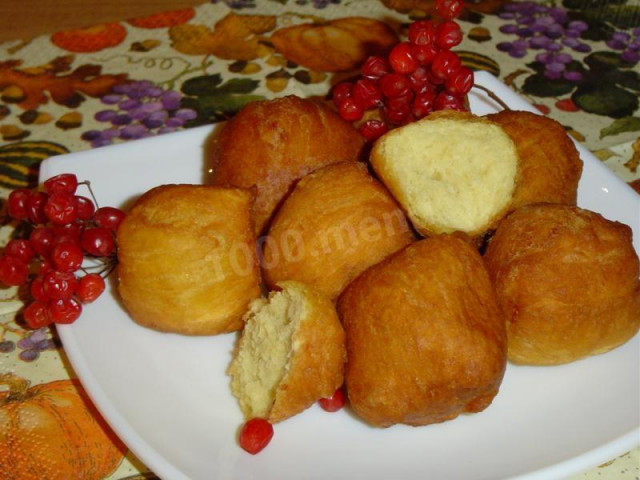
<point x="51" y="431"/>
<point x="164" y="19"/>
<point x="90" y="39"/>
<point x="338" y="45"/>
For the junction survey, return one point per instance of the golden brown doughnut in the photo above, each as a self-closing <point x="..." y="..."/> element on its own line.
<point x="271" y="144"/>
<point x="337" y="222"/>
<point x="187" y="260"/>
<point x="550" y="165"/>
<point x="567" y="282"/>
<point x="425" y="338"/>
<point x="291" y="353"/>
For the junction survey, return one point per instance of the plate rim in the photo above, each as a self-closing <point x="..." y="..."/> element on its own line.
<point x="159" y="465"/>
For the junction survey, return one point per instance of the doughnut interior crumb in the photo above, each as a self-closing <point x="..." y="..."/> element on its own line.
<point x="266" y="349"/>
<point x="450" y="173"/>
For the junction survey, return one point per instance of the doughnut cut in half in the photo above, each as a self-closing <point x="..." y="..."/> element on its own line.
<point x="291" y="353"/>
<point x="451" y="171"/>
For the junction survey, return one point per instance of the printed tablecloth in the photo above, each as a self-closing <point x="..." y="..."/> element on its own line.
<point x="117" y="82"/>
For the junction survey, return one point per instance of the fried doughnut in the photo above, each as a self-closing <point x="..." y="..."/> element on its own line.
<point x="271" y="144"/>
<point x="425" y="338"/>
<point x="291" y="353"/>
<point x="550" y="165"/>
<point x="187" y="260"/>
<point x="337" y="222"/>
<point x="451" y="171"/>
<point x="567" y="282"/>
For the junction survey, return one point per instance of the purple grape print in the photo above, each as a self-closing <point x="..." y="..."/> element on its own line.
<point x="31" y="346"/>
<point x="136" y="110"/>
<point x="628" y="43"/>
<point x="548" y="30"/>
<point x="578" y="54"/>
<point x="237" y="4"/>
<point x="319" y="4"/>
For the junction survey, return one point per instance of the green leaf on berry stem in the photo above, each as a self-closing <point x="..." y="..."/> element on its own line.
<point x="621" y="125"/>
<point x="605" y="99"/>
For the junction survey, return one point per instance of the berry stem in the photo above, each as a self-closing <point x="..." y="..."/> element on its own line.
<point x="93" y="197"/>
<point x="493" y="96"/>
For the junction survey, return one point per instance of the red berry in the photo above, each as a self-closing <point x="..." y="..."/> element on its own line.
<point x="37" y="289"/>
<point x="341" y="92"/>
<point x="13" y="270"/>
<point x="20" y="248"/>
<point x="70" y="232"/>
<point x="433" y="80"/>
<point x="374" y="67"/>
<point x="401" y="59"/>
<point x="90" y="287"/>
<point x="399" y="116"/>
<point x="108" y="217"/>
<point x="448" y="35"/>
<point x="59" y="285"/>
<point x="334" y="402"/>
<point x="373" y="129"/>
<point x="351" y="110"/>
<point x="36" y="314"/>
<point x="44" y="267"/>
<point x="65" y="182"/>
<point x="424" y="54"/>
<point x="35" y="207"/>
<point x="255" y="435"/>
<point x="422" y="32"/>
<point x="449" y="9"/>
<point x="394" y="85"/>
<point x="423" y="104"/>
<point x="61" y="208"/>
<point x="97" y="241"/>
<point x="41" y="240"/>
<point x="64" y="310"/>
<point x="460" y="82"/>
<point x="403" y="102"/>
<point x="444" y="64"/>
<point x="66" y="257"/>
<point x="367" y="93"/>
<point x="420" y="80"/>
<point x="445" y="100"/>
<point x="84" y="207"/>
<point x="17" y="203"/>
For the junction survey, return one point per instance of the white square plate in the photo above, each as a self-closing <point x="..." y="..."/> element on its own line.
<point x="168" y="397"/>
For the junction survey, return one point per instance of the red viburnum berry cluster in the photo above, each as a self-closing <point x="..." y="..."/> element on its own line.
<point x="63" y="229"/>
<point x="419" y="76"/>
